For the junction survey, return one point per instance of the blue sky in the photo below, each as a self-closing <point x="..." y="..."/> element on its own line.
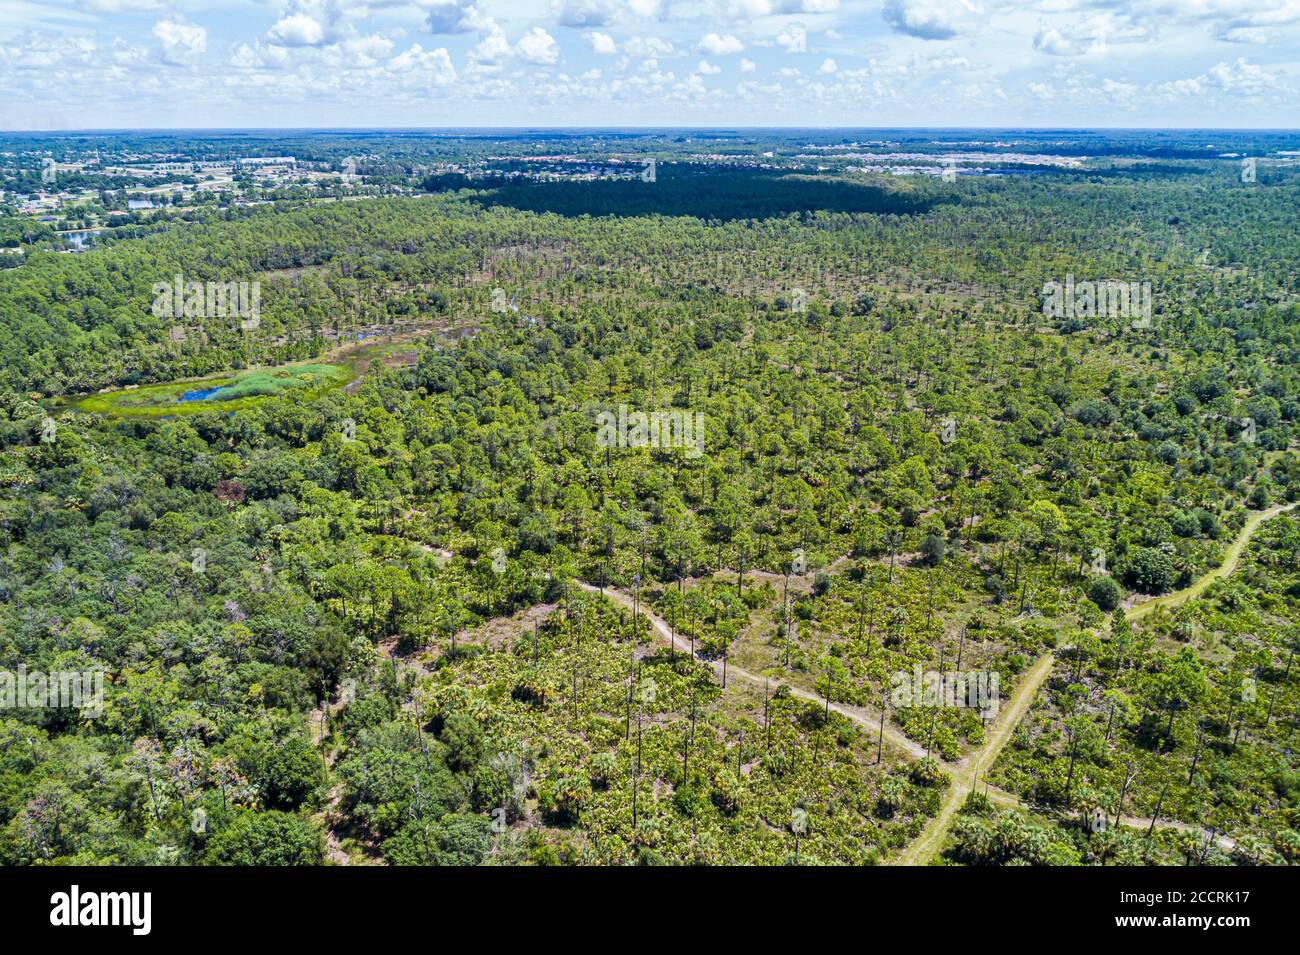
<point x="69" y="64"/>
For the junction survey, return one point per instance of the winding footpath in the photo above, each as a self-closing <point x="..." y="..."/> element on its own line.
<point x="664" y="633"/>
<point x="928" y="844"/>
<point x="1230" y="562"/>
<point x="970" y="767"/>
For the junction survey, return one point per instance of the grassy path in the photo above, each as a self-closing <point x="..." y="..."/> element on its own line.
<point x="965" y="772"/>
<point x="928" y="844"/>
<point x="860" y="715"/>
<point x="1230" y="562"/>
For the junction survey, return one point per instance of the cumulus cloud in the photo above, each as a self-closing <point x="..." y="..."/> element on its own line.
<point x="298" y="29"/>
<point x="1252" y="22"/>
<point x="361" y="51"/>
<point x="924" y="19"/>
<point x="492" y="48"/>
<point x="639" y="47"/>
<point x="1117" y="90"/>
<point x="584" y="14"/>
<point x="1090" y="36"/>
<point x="1053" y="42"/>
<point x="602" y="43"/>
<point x="44" y="53"/>
<point x="794" y="38"/>
<point x="1239" y="78"/>
<point x="433" y="66"/>
<point x="538" y="47"/>
<point x="180" y="41"/>
<point x="258" y="56"/>
<point x="447" y="17"/>
<point x="288" y="51"/>
<point x="722" y="45"/>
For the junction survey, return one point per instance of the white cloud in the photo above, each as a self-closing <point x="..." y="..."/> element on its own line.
<point x="794" y="38"/>
<point x="639" y="47"/>
<point x="582" y="14"/>
<point x="298" y="29"/>
<point x="925" y="19"/>
<point x="1240" y="78"/>
<point x="362" y="51"/>
<point x="1252" y="22"/>
<point x="451" y="16"/>
<point x="754" y="9"/>
<point x="538" y="47"/>
<point x="722" y="45"/>
<point x="491" y="49"/>
<point x="122" y="6"/>
<point x="258" y="56"/>
<point x="602" y="43"/>
<point x="433" y="65"/>
<point x="180" y="40"/>
<point x="1051" y="41"/>
<point x="44" y="53"/>
<point x="1118" y="90"/>
<point x="298" y="58"/>
<point x="1090" y="37"/>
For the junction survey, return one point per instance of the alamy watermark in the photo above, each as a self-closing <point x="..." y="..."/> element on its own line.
<point x="974" y="689"/>
<point x="948" y="430"/>
<point x="653" y="429"/>
<point x="1098" y="299"/>
<point x="75" y="908"/>
<point x="60" y="689"/>
<point x="181" y="299"/>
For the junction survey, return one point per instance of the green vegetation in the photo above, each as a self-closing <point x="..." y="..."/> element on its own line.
<point x="228" y="392"/>
<point x="363" y="624"/>
<point x="1194" y="711"/>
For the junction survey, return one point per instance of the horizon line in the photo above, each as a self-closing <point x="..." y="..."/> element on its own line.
<point x="599" y="128"/>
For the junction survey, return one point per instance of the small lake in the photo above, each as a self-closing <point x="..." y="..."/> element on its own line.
<point x="199" y="394"/>
<point x="80" y="239"/>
